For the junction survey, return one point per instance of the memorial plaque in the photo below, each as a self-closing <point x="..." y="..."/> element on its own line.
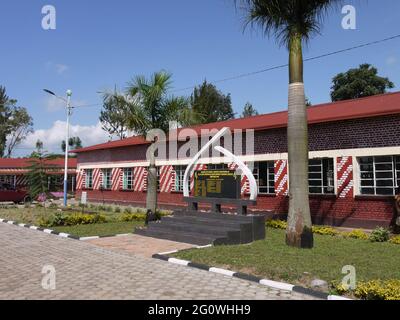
<point x="217" y="184"/>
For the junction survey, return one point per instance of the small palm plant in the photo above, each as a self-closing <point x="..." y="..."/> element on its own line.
<point x="150" y="107"/>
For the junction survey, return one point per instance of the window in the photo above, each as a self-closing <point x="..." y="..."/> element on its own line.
<point x="127" y="179"/>
<point x="179" y="173"/>
<point x="379" y="175"/>
<point x="320" y="176"/>
<point x="219" y="166"/>
<point x="107" y="179"/>
<point x="8" y="179"/>
<point x="264" y="173"/>
<point x="89" y="178"/>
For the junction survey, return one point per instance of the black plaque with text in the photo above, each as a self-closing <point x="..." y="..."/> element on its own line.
<point x="217" y="184"/>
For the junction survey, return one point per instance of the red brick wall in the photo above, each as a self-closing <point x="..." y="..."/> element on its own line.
<point x="367" y="212"/>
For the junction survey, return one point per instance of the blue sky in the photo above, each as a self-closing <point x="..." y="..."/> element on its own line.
<point x="101" y="44"/>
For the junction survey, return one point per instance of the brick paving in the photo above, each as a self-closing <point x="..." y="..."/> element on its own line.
<point x="139" y="245"/>
<point x="86" y="271"/>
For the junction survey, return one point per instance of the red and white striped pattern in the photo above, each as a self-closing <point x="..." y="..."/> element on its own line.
<point x="116" y="179"/>
<point x="80" y="179"/>
<point x="281" y="177"/>
<point x="244" y="183"/>
<point x="140" y="179"/>
<point x="166" y="175"/>
<point x="197" y="167"/>
<point x="97" y="178"/>
<point x="345" y="177"/>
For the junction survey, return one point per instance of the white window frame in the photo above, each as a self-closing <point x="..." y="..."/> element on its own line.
<point x="395" y="176"/>
<point x="106" y="181"/>
<point x="270" y="183"/>
<point x="323" y="186"/>
<point x="87" y="186"/>
<point x="179" y="173"/>
<point x="127" y="178"/>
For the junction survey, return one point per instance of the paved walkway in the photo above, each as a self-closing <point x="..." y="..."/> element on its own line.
<point x="85" y="271"/>
<point x="139" y="245"/>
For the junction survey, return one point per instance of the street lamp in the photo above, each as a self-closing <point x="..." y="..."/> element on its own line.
<point x="69" y="112"/>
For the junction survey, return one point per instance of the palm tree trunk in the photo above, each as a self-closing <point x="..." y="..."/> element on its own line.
<point x="151" y="196"/>
<point x="299" y="230"/>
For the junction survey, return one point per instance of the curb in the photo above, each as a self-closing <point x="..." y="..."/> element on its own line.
<point x="59" y="234"/>
<point x="244" y="276"/>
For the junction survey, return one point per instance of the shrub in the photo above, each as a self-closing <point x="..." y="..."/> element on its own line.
<point x="328" y="231"/>
<point x="60" y="219"/>
<point x="128" y="217"/>
<point x="395" y="240"/>
<point x="128" y="210"/>
<point x="101" y="208"/>
<point x="117" y="210"/>
<point x="378" y="290"/>
<point x="277" y="224"/>
<point x="108" y="208"/>
<point x="78" y="219"/>
<point x="356" y="234"/>
<point x="53" y="206"/>
<point x="379" y="235"/>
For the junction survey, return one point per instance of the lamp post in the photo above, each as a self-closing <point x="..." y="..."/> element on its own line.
<point x="69" y="113"/>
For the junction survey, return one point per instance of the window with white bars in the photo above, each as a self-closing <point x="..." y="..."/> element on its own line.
<point x="379" y="175"/>
<point x="218" y="166"/>
<point x="179" y="174"/>
<point x="106" y="181"/>
<point x="9" y="179"/>
<point x="89" y="178"/>
<point x="127" y="179"/>
<point x="264" y="173"/>
<point x="321" y="176"/>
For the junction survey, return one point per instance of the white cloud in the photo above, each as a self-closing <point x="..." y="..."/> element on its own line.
<point x="59" y="68"/>
<point x="53" y="137"/>
<point x="391" y="60"/>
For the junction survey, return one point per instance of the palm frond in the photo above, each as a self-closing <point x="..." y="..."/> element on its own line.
<point x="283" y="19"/>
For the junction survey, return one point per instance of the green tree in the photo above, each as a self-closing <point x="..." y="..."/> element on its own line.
<point x="114" y="114"/>
<point x="249" y="111"/>
<point x="21" y="125"/>
<point x="15" y="123"/>
<point x="293" y="22"/>
<point x="38" y="171"/>
<point x="150" y="107"/>
<point x="73" y="142"/>
<point x="207" y="101"/>
<point x="359" y="82"/>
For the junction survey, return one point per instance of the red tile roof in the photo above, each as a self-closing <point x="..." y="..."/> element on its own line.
<point x="378" y="105"/>
<point x="6" y="163"/>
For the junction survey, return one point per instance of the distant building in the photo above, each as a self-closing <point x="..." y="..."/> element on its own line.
<point x="354" y="166"/>
<point x="13" y="171"/>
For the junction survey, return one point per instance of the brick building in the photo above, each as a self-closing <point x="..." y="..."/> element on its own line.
<point x="13" y="172"/>
<point x="354" y="167"/>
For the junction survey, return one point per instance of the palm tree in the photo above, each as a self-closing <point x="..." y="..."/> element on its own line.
<point x="293" y="22"/>
<point x="151" y="108"/>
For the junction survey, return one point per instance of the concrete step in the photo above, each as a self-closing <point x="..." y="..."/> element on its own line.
<point x="186" y="237"/>
<point x="209" y="231"/>
<point x="217" y="224"/>
<point x="218" y="216"/>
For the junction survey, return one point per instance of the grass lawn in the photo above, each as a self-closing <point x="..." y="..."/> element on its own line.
<point x="100" y="229"/>
<point x="272" y="259"/>
<point x="33" y="216"/>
